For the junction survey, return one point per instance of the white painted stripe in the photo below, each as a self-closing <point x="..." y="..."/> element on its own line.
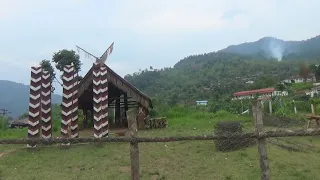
<point x="33" y="132"/>
<point x="68" y="70"/>
<point x="74" y="127"/>
<point x="46" y="102"/>
<point x="64" y="131"/>
<point x="34" y="97"/>
<point x="105" y="124"/>
<point x="65" y="122"/>
<point x="34" y="105"/>
<point x="34" y="114"/>
<point x="46" y="85"/>
<point x="67" y="78"/>
<point x="74" y="135"/>
<point x="33" y="123"/>
<point x="104" y="81"/>
<point x="46" y="137"/>
<point x="35" y="88"/>
<point x="75" y="109"/>
<point x="96" y="100"/>
<point x="46" y="93"/>
<point x="66" y="113"/>
<point x="46" y="119"/>
<point x="68" y="87"/>
<point x="67" y="96"/>
<point x="98" y="136"/>
<point x="35" y="80"/>
<point x="97" y="118"/>
<point x="98" y="127"/>
<point x="75" y="118"/>
<point x="66" y="104"/>
<point x="96" y="91"/>
<point x="45" y="76"/>
<point x="96" y="74"/>
<point x="104" y="98"/>
<point x="75" y="101"/>
<point x="45" y="110"/>
<point x="97" y="83"/>
<point x="46" y="128"/>
<point x="36" y="71"/>
<point x="104" y="72"/>
<point x="97" y="109"/>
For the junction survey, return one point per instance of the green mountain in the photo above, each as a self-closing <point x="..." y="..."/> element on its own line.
<point x="271" y="47"/>
<point x="15" y="97"/>
<point x="215" y="76"/>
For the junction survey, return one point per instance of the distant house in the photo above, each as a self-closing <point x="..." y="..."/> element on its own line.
<point x="249" y="82"/>
<point x="204" y="103"/>
<point x="299" y="79"/>
<point x="262" y="93"/>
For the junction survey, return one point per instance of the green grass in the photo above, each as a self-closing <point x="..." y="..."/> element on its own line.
<point x="302" y="86"/>
<point x="174" y="160"/>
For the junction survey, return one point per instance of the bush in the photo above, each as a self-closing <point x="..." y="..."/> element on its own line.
<point x="228" y="128"/>
<point x="222" y="114"/>
<point x="3" y="123"/>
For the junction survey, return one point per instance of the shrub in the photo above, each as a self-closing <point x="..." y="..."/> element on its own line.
<point x="3" y="123"/>
<point x="228" y="128"/>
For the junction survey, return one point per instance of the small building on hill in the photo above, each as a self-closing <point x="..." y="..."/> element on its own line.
<point x="262" y="93"/>
<point x="203" y="103"/>
<point x="300" y="79"/>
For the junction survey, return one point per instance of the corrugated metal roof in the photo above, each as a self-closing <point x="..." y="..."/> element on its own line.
<point x="256" y="91"/>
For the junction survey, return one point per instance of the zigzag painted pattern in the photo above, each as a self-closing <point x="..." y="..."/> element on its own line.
<point x="74" y="119"/>
<point x="69" y="105"/>
<point x="97" y="112"/>
<point x="34" y="104"/>
<point x="46" y="122"/>
<point x="104" y="99"/>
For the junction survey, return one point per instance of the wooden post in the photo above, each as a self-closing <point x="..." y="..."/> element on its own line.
<point x="312" y="108"/>
<point x="262" y="146"/>
<point x="134" y="148"/>
<point x="270" y="106"/>
<point x="117" y="112"/>
<point x="254" y="116"/>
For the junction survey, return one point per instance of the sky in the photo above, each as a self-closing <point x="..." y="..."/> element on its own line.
<point x="145" y="32"/>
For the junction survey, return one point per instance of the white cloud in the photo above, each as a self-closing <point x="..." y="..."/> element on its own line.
<point x="187" y="15"/>
<point x="7" y="8"/>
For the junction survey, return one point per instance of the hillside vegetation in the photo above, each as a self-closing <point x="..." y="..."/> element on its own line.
<point x="215" y="76"/>
<point x="15" y="97"/>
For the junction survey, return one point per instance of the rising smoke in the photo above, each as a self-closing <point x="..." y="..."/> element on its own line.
<point x="276" y="48"/>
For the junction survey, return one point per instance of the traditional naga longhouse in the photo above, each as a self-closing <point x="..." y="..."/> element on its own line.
<point x="120" y="96"/>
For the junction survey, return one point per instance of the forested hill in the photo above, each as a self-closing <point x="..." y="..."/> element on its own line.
<point x="271" y="47"/>
<point x="15" y="97"/>
<point x="215" y="76"/>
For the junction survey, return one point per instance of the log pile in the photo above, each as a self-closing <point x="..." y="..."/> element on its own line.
<point x="155" y="123"/>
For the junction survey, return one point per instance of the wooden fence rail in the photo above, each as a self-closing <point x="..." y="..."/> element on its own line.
<point x="134" y="140"/>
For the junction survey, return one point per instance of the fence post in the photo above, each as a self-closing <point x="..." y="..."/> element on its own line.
<point x="312" y="109"/>
<point x="262" y="146"/>
<point x="270" y="106"/>
<point x="134" y="148"/>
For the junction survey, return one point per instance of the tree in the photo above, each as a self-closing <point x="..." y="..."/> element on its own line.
<point x="46" y="65"/>
<point x="304" y="71"/>
<point x="316" y="70"/>
<point x="281" y="87"/>
<point x="66" y="57"/>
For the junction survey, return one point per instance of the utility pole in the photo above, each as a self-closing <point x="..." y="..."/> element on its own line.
<point x="4" y="112"/>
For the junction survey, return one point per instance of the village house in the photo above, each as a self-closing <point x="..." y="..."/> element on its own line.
<point x="262" y="93"/>
<point x="300" y="79"/>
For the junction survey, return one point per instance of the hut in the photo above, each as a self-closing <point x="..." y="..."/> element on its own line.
<point x="121" y="96"/>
